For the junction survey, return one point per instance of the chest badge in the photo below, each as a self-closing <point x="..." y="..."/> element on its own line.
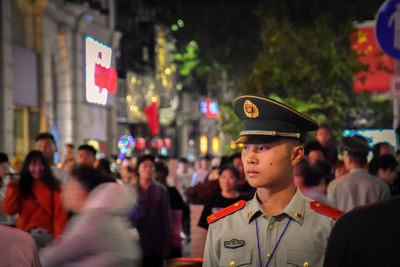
<point x="234" y="243"/>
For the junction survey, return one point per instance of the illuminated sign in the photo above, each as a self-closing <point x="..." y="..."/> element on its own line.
<point x="209" y="108"/>
<point x="375" y="136"/>
<point x="101" y="78"/>
<point x="215" y="144"/>
<point x="203" y="144"/>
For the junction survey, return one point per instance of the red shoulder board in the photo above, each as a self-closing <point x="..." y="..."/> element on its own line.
<point x="224" y="212"/>
<point x="326" y="210"/>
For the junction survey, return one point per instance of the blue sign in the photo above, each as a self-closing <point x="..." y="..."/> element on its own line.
<point x="387" y="28"/>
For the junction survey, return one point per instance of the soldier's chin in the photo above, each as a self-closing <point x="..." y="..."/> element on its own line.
<point x="253" y="183"/>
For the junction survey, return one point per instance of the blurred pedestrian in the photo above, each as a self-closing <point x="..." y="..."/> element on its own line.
<point x="201" y="174"/>
<point x="4" y="180"/>
<point x="46" y="143"/>
<point x="17" y="248"/>
<point x="314" y="152"/>
<point x="310" y="181"/>
<point x="36" y="198"/>
<point x="128" y="174"/>
<point x="103" y="166"/>
<point x="69" y="149"/>
<point x="227" y="195"/>
<point x="86" y="156"/>
<point x="99" y="234"/>
<point x="384" y="167"/>
<point x="339" y="170"/>
<point x="68" y="163"/>
<point x="155" y="226"/>
<point x="184" y="175"/>
<point x="324" y="136"/>
<point x="382" y="148"/>
<point x="358" y="187"/>
<point x="366" y="236"/>
<point x="179" y="210"/>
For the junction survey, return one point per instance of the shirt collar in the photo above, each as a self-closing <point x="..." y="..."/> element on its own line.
<point x="295" y="209"/>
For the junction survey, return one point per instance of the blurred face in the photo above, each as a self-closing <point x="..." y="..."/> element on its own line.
<point x="146" y="170"/>
<point x="314" y="156"/>
<point x="85" y="158"/>
<point x="237" y="162"/>
<point x="3" y="169"/>
<point x="339" y="172"/>
<point x="323" y="136"/>
<point x="182" y="167"/>
<point x="227" y="181"/>
<point x="386" y="149"/>
<point x="36" y="169"/>
<point x="205" y="164"/>
<point x="271" y="165"/>
<point x="47" y="147"/>
<point x="68" y="150"/>
<point x="69" y="163"/>
<point x="74" y="195"/>
<point x="388" y="176"/>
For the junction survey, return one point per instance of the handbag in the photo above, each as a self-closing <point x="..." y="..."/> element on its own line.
<point x="41" y="235"/>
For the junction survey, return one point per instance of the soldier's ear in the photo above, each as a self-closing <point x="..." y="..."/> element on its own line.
<point x="297" y="154"/>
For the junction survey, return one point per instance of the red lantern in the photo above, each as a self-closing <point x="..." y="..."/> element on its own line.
<point x="158" y="143"/>
<point x="140" y="143"/>
<point x="167" y="143"/>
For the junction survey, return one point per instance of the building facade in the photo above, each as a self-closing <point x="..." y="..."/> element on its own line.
<point x="44" y="73"/>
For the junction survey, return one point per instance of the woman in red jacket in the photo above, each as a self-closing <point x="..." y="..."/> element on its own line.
<point x="36" y="198"/>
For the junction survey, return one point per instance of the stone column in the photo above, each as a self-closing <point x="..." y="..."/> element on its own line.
<point x="6" y="80"/>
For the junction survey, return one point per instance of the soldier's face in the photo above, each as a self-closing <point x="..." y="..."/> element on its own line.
<point x="271" y="165"/>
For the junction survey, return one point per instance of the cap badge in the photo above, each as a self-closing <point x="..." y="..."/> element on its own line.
<point x="250" y="109"/>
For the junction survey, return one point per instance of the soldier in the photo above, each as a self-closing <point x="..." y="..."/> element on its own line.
<point x="279" y="226"/>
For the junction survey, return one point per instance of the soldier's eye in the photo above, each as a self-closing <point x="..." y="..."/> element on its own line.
<point x="262" y="148"/>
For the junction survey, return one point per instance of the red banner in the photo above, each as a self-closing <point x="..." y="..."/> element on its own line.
<point x="151" y="113"/>
<point x="105" y="78"/>
<point x="381" y="66"/>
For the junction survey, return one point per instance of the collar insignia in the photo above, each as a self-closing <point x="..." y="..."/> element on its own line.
<point x="250" y="109"/>
<point x="234" y="243"/>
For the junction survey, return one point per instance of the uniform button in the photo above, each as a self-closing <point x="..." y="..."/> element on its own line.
<point x="270" y="227"/>
<point x="268" y="255"/>
<point x="232" y="263"/>
<point x="318" y="204"/>
<point x="299" y="215"/>
<point x="306" y="264"/>
<point x="249" y="214"/>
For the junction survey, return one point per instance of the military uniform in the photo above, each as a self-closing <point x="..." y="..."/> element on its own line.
<point x="243" y="234"/>
<point x="232" y="240"/>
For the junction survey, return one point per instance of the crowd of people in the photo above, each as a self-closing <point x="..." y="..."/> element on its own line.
<point x="136" y="212"/>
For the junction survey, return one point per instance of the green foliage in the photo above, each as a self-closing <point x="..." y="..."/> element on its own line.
<point x="230" y="127"/>
<point x="307" y="62"/>
<point x="188" y="60"/>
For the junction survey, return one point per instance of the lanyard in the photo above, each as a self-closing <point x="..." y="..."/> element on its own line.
<point x="276" y="245"/>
